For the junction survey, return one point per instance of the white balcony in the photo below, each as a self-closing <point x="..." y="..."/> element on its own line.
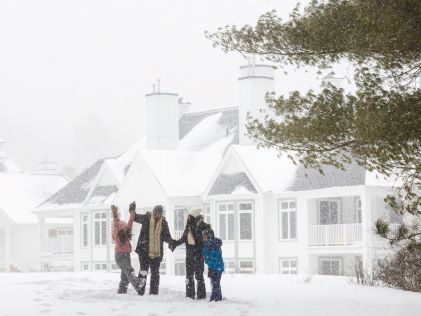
<point x="335" y="234"/>
<point x="58" y="246"/>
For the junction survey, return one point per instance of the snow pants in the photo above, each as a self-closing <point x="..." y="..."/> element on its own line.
<point x="127" y="274"/>
<point x="194" y="270"/>
<point x="216" y="286"/>
<point x="147" y="263"/>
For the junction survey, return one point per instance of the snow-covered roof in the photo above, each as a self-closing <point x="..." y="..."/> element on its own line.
<point x="312" y="179"/>
<point x="97" y="184"/>
<point x="270" y="171"/>
<point x="7" y="164"/>
<point x="21" y="192"/>
<point x="201" y="129"/>
<point x="186" y="172"/>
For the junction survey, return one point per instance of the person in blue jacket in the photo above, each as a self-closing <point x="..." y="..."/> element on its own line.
<point x="212" y="254"/>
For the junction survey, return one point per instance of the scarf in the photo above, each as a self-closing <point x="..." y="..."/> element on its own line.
<point x="190" y="238"/>
<point x="155" y="228"/>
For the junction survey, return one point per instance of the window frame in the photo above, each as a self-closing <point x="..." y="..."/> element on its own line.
<point x="329" y="258"/>
<point x="100" y="220"/>
<point x="251" y="212"/>
<point x="226" y="212"/>
<point x="358" y="210"/>
<point x="246" y="270"/>
<point x="290" y="268"/>
<point x="82" y="223"/>
<point x="207" y="210"/>
<point x="288" y="211"/>
<point x="338" y="201"/>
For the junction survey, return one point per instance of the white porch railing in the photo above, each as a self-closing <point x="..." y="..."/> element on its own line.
<point x="335" y="235"/>
<point x="62" y="245"/>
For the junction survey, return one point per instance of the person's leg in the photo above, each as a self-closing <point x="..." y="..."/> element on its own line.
<point x="218" y="295"/>
<point x="199" y="268"/>
<point x="124" y="262"/>
<point x="143" y="273"/>
<point x="190" y="290"/>
<point x="216" y="286"/>
<point x="154" y="286"/>
<point x="124" y="281"/>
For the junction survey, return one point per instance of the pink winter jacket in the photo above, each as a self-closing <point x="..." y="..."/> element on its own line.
<point x="117" y="226"/>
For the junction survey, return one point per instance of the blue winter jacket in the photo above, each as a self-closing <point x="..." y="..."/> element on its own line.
<point x="212" y="253"/>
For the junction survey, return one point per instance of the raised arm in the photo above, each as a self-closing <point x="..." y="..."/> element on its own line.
<point x="140" y="218"/>
<point x="116" y="221"/>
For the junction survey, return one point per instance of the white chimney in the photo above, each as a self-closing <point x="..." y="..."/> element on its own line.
<point x="183" y="107"/>
<point x="162" y="119"/>
<point x="256" y="80"/>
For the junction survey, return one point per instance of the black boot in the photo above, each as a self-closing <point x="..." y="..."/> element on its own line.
<point x="201" y="289"/>
<point x="190" y="291"/>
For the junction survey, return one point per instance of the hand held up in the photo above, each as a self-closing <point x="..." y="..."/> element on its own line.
<point x="114" y="210"/>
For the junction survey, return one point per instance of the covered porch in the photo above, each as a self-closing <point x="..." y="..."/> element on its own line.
<point x="56" y="233"/>
<point x="335" y="221"/>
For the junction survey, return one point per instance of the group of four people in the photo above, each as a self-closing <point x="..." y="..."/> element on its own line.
<point x="198" y="237"/>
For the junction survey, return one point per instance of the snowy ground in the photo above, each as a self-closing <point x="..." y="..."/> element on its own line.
<point x="95" y="294"/>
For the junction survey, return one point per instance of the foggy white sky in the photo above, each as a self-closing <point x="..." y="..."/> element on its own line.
<point x="73" y="74"/>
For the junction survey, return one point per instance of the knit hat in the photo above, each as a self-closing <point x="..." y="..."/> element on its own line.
<point x="195" y="212"/>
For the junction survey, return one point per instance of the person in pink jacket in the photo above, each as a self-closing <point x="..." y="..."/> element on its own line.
<point x="122" y="233"/>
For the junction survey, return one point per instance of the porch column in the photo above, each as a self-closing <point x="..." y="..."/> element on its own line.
<point x="169" y="255"/>
<point x="109" y="236"/>
<point x="367" y="230"/>
<point x="41" y="233"/>
<point x="7" y="247"/>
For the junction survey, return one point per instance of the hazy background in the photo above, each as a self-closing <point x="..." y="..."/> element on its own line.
<point x="73" y="74"/>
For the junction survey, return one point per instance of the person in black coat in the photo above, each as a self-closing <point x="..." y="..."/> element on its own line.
<point x="153" y="234"/>
<point x="192" y="238"/>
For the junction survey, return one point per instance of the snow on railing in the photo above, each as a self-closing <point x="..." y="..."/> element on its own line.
<point x="335" y="235"/>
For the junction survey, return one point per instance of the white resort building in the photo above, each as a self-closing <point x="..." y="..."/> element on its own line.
<point x="20" y="193"/>
<point x="271" y="217"/>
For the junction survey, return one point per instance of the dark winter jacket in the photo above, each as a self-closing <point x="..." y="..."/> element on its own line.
<point x="143" y="241"/>
<point x="196" y="228"/>
<point x="213" y="255"/>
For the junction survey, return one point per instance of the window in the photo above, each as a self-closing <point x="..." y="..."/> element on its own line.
<point x="208" y="216"/>
<point x="288" y="266"/>
<point x="84" y="266"/>
<point x="84" y="228"/>
<point x="358" y="212"/>
<point x="114" y="267"/>
<point x="330" y="266"/>
<point x="229" y="266"/>
<point x="52" y="233"/>
<point x="180" y="268"/>
<point x="100" y="228"/>
<point x="163" y="268"/>
<point x="226" y="221"/>
<point x="60" y="232"/>
<point x="180" y="217"/>
<point x="288" y="220"/>
<point x="329" y="213"/>
<point x="246" y="267"/>
<point x="245" y="214"/>
<point x="100" y="267"/>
